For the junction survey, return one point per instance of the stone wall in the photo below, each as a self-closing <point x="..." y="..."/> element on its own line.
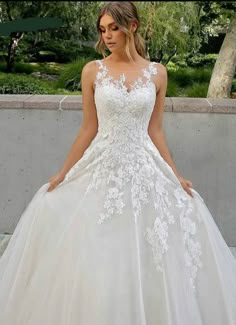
<point x="37" y="132"/>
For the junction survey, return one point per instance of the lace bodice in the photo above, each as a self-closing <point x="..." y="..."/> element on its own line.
<point x="124" y="111"/>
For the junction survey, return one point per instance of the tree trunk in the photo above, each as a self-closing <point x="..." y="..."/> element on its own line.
<point x="224" y="69"/>
<point x="12" y="50"/>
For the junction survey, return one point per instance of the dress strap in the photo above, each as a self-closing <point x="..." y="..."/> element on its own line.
<point x="150" y="70"/>
<point x="101" y="65"/>
<point x="99" y="62"/>
<point x="102" y="71"/>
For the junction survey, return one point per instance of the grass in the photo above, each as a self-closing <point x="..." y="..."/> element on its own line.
<point x="188" y="82"/>
<point x="26" y="83"/>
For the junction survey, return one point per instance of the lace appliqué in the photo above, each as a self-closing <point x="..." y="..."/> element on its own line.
<point x="157" y="236"/>
<point x="134" y="169"/>
<point x="193" y="248"/>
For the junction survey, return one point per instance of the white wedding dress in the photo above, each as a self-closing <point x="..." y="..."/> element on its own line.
<point x="118" y="242"/>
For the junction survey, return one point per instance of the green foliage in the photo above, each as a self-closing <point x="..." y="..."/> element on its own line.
<point x="172" y="89"/>
<point x="86" y="51"/>
<point x="63" y="52"/>
<point x="52" y="51"/>
<point x="46" y="56"/>
<point x="182" y="77"/>
<point x="172" y="66"/>
<point x="70" y="77"/>
<point x="169" y="27"/>
<point x="20" y="67"/>
<point x="201" y="60"/>
<point x="233" y="89"/>
<point x="201" y="75"/>
<point x="197" y="90"/>
<point x="215" y="17"/>
<point x="188" y="82"/>
<point x="186" y="76"/>
<point x="28" y="68"/>
<point x="13" y="84"/>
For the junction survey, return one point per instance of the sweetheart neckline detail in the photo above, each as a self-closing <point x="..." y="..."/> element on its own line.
<point x="126" y="92"/>
<point x="120" y="81"/>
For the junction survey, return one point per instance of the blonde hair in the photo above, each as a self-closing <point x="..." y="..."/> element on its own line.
<point x="123" y="13"/>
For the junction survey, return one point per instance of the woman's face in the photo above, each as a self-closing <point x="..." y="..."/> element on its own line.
<point x="112" y="36"/>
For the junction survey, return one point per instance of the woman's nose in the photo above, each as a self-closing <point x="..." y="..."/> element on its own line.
<point x="107" y="34"/>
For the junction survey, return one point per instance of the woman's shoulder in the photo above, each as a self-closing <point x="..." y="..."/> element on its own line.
<point x="159" y="66"/>
<point x="90" y="67"/>
<point x="90" y="70"/>
<point x="160" y="69"/>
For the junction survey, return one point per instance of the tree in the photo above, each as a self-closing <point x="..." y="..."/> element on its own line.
<point x="215" y="17"/>
<point x="223" y="17"/>
<point x="19" y="27"/>
<point x="169" y="28"/>
<point x="224" y="69"/>
<point x="76" y="17"/>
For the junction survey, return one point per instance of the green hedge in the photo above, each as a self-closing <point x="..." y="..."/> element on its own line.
<point x="13" y="84"/>
<point x="70" y="76"/>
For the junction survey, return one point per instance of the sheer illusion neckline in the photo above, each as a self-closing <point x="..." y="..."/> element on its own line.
<point x="121" y="79"/>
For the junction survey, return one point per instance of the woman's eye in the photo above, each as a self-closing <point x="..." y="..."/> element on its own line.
<point x="113" y="28"/>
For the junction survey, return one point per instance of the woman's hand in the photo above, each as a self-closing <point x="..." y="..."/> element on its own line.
<point x="186" y="184"/>
<point x="55" y="180"/>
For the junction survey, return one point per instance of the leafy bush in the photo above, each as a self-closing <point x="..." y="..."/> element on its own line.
<point x="171" y="66"/>
<point x="172" y="89"/>
<point x="197" y="90"/>
<point x="233" y="89"/>
<point x="62" y="52"/>
<point x="188" y="82"/>
<point x="48" y="51"/>
<point x="201" y="60"/>
<point x="20" y="67"/>
<point x="182" y="77"/>
<point x="70" y="77"/>
<point x="13" y="84"/>
<point x="200" y="75"/>
<point x="3" y="56"/>
<point x="46" y="56"/>
<point x="86" y="51"/>
<point x="28" y="68"/>
<point x="188" y="76"/>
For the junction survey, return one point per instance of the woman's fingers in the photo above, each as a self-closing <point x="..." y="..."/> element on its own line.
<point x="52" y="186"/>
<point x="54" y="181"/>
<point x="186" y="184"/>
<point x="187" y="189"/>
<point x="189" y="183"/>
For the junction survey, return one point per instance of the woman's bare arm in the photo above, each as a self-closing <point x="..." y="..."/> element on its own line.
<point x="88" y="128"/>
<point x="89" y="125"/>
<point x="155" y="129"/>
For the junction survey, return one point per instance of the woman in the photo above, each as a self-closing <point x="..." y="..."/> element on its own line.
<point x="118" y="236"/>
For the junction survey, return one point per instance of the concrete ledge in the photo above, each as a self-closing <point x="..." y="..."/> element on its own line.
<point x="200" y="105"/>
<point x="74" y="102"/>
